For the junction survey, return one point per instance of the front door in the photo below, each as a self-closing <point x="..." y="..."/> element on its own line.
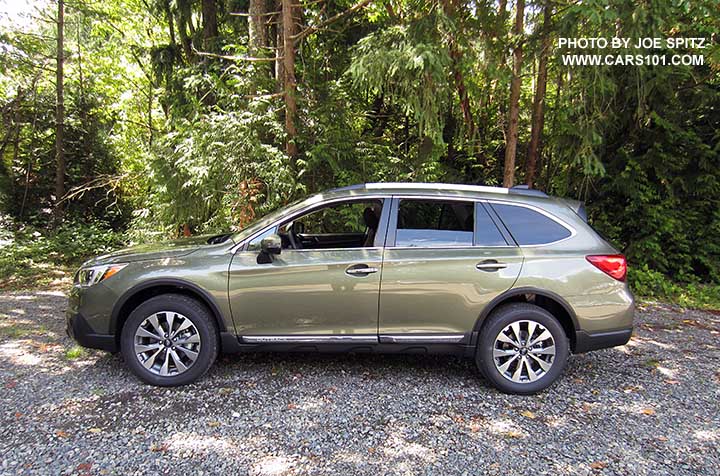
<point x="323" y="286"/>
<point x="444" y="261"/>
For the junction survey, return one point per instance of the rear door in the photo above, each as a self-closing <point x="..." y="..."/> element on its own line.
<point x="444" y="261"/>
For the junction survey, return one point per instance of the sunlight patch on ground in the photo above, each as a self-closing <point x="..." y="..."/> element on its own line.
<point x="16" y="353"/>
<point x="707" y="435"/>
<point x="272" y="466"/>
<point x="192" y="442"/>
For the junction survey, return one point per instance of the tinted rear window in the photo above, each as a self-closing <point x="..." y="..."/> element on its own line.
<point x="529" y="227"/>
<point x="435" y="223"/>
<point x="486" y="233"/>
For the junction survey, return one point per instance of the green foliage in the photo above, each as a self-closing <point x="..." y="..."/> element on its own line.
<point x="649" y="284"/>
<point x="162" y="136"/>
<point x="28" y="253"/>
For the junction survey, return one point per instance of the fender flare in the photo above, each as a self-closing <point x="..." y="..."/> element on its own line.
<point x="168" y="282"/>
<point x="525" y="290"/>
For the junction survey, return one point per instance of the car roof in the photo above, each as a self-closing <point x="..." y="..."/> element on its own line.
<point x="447" y="189"/>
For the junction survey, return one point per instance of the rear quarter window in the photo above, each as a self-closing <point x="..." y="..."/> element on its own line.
<point x="530" y="227"/>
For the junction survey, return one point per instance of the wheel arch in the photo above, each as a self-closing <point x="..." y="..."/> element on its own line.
<point x="140" y="293"/>
<point x="548" y="300"/>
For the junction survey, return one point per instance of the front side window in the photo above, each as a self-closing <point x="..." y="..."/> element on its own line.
<point x="351" y="224"/>
<point x="435" y="223"/>
<point x="530" y="227"/>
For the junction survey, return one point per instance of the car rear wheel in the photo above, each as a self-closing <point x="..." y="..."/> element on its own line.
<point x="169" y="340"/>
<point x="522" y="349"/>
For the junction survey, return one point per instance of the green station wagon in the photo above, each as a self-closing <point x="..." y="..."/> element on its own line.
<point x="512" y="278"/>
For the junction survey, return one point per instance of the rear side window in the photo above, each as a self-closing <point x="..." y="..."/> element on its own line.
<point x="529" y="227"/>
<point x="433" y="223"/>
<point x="486" y="233"/>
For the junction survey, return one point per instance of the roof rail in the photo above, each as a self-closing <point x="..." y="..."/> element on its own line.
<point x="516" y="190"/>
<point x="524" y="189"/>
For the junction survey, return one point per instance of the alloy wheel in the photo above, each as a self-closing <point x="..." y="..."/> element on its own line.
<point x="167" y="343"/>
<point x="524" y="351"/>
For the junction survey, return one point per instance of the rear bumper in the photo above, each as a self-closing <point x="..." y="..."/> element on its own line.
<point x="78" y="329"/>
<point x="586" y="341"/>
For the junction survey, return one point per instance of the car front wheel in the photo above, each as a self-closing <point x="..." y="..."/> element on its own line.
<point x="522" y="349"/>
<point x="169" y="340"/>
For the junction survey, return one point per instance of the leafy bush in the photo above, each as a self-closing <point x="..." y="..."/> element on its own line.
<point x="648" y="283"/>
<point x="29" y="253"/>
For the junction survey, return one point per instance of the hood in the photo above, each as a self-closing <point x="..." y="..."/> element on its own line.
<point x="150" y="251"/>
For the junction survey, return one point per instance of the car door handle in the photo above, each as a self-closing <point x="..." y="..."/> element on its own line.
<point x="361" y="271"/>
<point x="490" y="265"/>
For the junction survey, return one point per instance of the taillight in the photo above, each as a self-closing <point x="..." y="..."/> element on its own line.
<point x="612" y="265"/>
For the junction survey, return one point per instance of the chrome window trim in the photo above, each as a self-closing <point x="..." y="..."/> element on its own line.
<point x="539" y="210"/>
<point x="310" y="207"/>
<point x="310" y="339"/>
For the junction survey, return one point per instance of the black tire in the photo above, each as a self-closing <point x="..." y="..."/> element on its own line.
<point x="498" y="320"/>
<point x="191" y="309"/>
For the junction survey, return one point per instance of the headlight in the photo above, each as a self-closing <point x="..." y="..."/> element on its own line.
<point x="94" y="274"/>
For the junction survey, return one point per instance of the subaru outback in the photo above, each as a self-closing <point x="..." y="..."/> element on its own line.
<point x="513" y="278"/>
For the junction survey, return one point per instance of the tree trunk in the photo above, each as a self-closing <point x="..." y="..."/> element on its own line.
<point x="60" y="114"/>
<point x="289" y="83"/>
<point x="450" y="8"/>
<point x="514" y="109"/>
<point x="538" y="114"/>
<point x="210" y="24"/>
<point x="258" y="31"/>
<point x="170" y="20"/>
<point x="279" y="46"/>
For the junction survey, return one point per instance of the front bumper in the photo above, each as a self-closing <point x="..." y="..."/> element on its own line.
<point x="78" y="329"/>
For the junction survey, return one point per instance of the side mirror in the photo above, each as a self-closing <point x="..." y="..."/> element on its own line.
<point x="270" y="245"/>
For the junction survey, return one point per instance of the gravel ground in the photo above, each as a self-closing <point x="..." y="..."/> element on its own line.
<point x="650" y="407"/>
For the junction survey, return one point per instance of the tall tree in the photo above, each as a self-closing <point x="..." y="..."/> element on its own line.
<point x="210" y="24"/>
<point x="451" y="10"/>
<point x="514" y="110"/>
<point x="289" y="80"/>
<point x="60" y="112"/>
<point x="258" y="31"/>
<point x="538" y="113"/>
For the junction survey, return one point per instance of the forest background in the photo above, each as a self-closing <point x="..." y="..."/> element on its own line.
<point x="129" y="121"/>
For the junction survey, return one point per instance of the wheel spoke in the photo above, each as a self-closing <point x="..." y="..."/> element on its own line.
<point x="191" y="354"/>
<point x="164" y="368"/>
<point x="515" y="326"/>
<point x="142" y="348"/>
<point x="532" y="325"/>
<point x="153" y="320"/>
<point x="545" y="366"/>
<point x="502" y="337"/>
<point x="518" y="371"/>
<point x="531" y="373"/>
<point x="151" y="360"/>
<point x="550" y="350"/>
<point x="146" y="333"/>
<point x="186" y="324"/>
<point x="193" y="339"/>
<point x="503" y="352"/>
<point x="544" y="335"/>
<point x="178" y="361"/>
<point x="170" y="319"/>
<point x="503" y="368"/>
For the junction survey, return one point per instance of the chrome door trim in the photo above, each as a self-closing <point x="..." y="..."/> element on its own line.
<point x="310" y="339"/>
<point x="422" y="338"/>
